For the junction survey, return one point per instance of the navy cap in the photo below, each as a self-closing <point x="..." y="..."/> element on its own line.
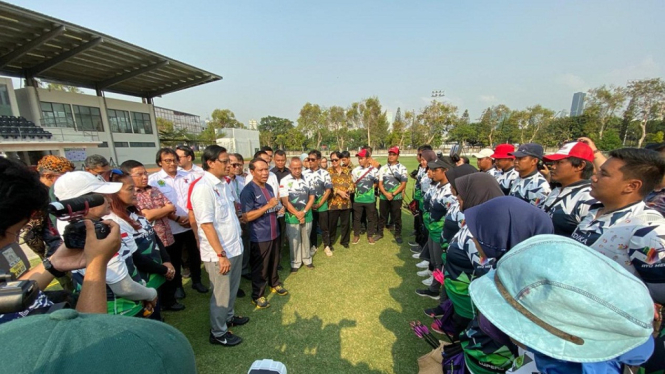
<point x="438" y="163"/>
<point x="529" y="149"/>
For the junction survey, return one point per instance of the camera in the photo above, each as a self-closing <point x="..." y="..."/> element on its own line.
<point x="73" y="210"/>
<point x="16" y="296"/>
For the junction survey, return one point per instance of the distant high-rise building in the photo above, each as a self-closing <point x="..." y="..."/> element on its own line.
<point x="577" y="108"/>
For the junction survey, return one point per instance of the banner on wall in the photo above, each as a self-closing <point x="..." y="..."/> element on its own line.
<point x="75" y="154"/>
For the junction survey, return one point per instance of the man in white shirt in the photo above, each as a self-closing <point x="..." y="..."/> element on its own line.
<point x="174" y="184"/>
<point x="237" y="181"/>
<point x="221" y="246"/>
<point x="186" y="158"/>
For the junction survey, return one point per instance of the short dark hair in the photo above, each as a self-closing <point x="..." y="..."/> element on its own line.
<point x="266" y="148"/>
<point x="337" y="153"/>
<point x="22" y="193"/>
<point x="239" y="157"/>
<point x="425" y="147"/>
<point x="188" y="151"/>
<point x="259" y="153"/>
<point x="369" y="149"/>
<point x="128" y="165"/>
<point x="465" y="159"/>
<point x="346" y="154"/>
<point x="252" y="164"/>
<point x="94" y="161"/>
<point x="315" y="153"/>
<point x="587" y="172"/>
<point x="280" y="152"/>
<point x="211" y="153"/>
<point x="163" y="151"/>
<point x="658" y="147"/>
<point x="643" y="164"/>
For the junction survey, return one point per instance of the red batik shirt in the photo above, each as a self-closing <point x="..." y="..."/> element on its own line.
<point x="152" y="198"/>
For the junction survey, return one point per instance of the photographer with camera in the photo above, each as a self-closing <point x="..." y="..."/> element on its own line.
<point x="23" y="195"/>
<point x="126" y="293"/>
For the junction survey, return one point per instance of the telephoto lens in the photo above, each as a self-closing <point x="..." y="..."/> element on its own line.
<point x="64" y="208"/>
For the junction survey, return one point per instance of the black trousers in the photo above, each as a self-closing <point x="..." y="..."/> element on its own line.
<point x="320" y="220"/>
<point x="166" y="292"/>
<point x="185" y="241"/>
<point x="392" y="208"/>
<point x="370" y="210"/>
<point x="264" y="263"/>
<point x="345" y="225"/>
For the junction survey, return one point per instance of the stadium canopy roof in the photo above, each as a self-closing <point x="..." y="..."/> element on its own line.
<point x="33" y="45"/>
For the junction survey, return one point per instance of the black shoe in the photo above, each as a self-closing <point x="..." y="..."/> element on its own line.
<point x="294" y="270"/>
<point x="249" y="276"/>
<point x="310" y="266"/>
<point x="176" y="307"/>
<point x="377" y="237"/>
<point x="415" y="250"/>
<point x="237" y="321"/>
<point x="345" y="246"/>
<point x="180" y="293"/>
<point x="435" y="312"/>
<point x="428" y="293"/>
<point x="200" y="287"/>
<point x="240" y="293"/>
<point x="399" y="240"/>
<point x="280" y="267"/>
<point x="228" y="339"/>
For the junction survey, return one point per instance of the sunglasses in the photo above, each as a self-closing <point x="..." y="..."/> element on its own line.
<point x="169" y="161"/>
<point x="312" y="159"/>
<point x="334" y="159"/>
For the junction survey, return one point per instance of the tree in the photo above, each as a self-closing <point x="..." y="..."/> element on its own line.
<point x="492" y="121"/>
<point x="437" y="118"/>
<point x="274" y="130"/>
<point x="295" y="139"/>
<point x="369" y="116"/>
<point x="337" y="123"/>
<point x="628" y="116"/>
<point x="649" y="100"/>
<point x="224" y="118"/>
<point x="169" y="135"/>
<point x="59" y="87"/>
<point x="465" y="117"/>
<point x="603" y="102"/>
<point x="396" y="136"/>
<point x="312" y="122"/>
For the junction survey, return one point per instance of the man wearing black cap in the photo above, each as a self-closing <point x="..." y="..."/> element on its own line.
<point x="530" y="186"/>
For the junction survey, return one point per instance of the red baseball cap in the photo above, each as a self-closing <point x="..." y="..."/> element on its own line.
<point x="503" y="151"/>
<point x="394" y="150"/>
<point x="362" y="153"/>
<point x="572" y="149"/>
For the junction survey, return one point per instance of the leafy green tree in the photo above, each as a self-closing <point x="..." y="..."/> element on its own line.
<point x="337" y="124"/>
<point x="295" y="140"/>
<point x="169" y="135"/>
<point x="396" y="136"/>
<point x="603" y="102"/>
<point x="312" y="122"/>
<point x="492" y="121"/>
<point x="274" y="130"/>
<point x="437" y="118"/>
<point x="224" y="118"/>
<point x="649" y="96"/>
<point x="610" y="141"/>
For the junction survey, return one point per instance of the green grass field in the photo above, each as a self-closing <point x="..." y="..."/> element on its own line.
<point x="348" y="315"/>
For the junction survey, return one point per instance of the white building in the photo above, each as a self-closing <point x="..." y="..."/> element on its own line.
<point x="76" y="125"/>
<point x="245" y="142"/>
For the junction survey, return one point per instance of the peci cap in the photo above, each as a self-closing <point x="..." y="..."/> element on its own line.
<point x="572" y="149"/>
<point x="363" y="153"/>
<point x="484" y="153"/>
<point x="529" y="149"/>
<point x="105" y="344"/>
<point x="394" y="150"/>
<point x="544" y="294"/>
<point x="503" y="151"/>
<point x="79" y="183"/>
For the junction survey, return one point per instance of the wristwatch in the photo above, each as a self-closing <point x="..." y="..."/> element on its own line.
<point x="49" y="267"/>
<point x="223" y="254"/>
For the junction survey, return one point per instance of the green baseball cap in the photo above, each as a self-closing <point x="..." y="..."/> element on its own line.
<point x="70" y="342"/>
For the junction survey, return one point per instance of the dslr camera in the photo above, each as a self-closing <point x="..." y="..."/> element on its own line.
<point x="16" y="296"/>
<point x="73" y="210"/>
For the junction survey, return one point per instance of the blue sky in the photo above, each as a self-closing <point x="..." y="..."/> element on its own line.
<point x="277" y="55"/>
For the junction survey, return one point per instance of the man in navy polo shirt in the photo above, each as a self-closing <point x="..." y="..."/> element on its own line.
<point x="260" y="208"/>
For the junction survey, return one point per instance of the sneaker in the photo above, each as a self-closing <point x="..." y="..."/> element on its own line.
<point x="237" y="321"/>
<point x="228" y="339"/>
<point x="424" y="273"/>
<point x="185" y="273"/>
<point x="414" y="244"/>
<point x="424" y="264"/>
<point x="200" y="287"/>
<point x="415" y="250"/>
<point x="399" y="240"/>
<point x="261" y="303"/>
<point x="377" y="237"/>
<point x="436" y="328"/>
<point x="427" y="293"/>
<point x="416" y="255"/>
<point x="371" y="240"/>
<point x="310" y="266"/>
<point x="428" y="282"/>
<point x="327" y="251"/>
<point x="294" y="270"/>
<point x="435" y="312"/>
<point x="312" y="251"/>
<point x="278" y="289"/>
<point x="240" y="293"/>
<point x="356" y="240"/>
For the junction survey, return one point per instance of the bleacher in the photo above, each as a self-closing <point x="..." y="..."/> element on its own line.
<point x="20" y="128"/>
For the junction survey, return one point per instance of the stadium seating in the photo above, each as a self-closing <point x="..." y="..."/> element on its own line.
<point x="20" y="128"/>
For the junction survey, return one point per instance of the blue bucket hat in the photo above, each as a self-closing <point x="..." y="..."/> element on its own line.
<point x="565" y="300"/>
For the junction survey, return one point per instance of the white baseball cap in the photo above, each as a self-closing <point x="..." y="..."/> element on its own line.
<point x="485" y="152"/>
<point x="79" y="183"/>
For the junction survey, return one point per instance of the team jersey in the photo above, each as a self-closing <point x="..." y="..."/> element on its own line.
<point x="365" y="178"/>
<point x="319" y="181"/>
<point x="506" y="179"/>
<point x="440" y="201"/>
<point x="146" y="245"/>
<point x="567" y="206"/>
<point x="417" y="189"/>
<point x="533" y="189"/>
<point x="496" y="173"/>
<point x="392" y="176"/>
<point x="633" y="237"/>
<point x="452" y="224"/>
<point x="297" y="191"/>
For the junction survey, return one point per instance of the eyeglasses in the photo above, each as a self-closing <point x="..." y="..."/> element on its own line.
<point x="236" y="165"/>
<point x="334" y="159"/>
<point x="144" y="174"/>
<point x="226" y="161"/>
<point x="169" y="161"/>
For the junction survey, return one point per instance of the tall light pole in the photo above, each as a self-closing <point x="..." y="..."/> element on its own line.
<point x="438" y="93"/>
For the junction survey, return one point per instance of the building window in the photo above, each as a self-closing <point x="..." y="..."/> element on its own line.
<point x="103" y="145"/>
<point x="143" y="144"/>
<point x="57" y="115"/>
<point x="119" y="121"/>
<point x="142" y="123"/>
<point x="5" y="105"/>
<point x="88" y="118"/>
<point x="121" y="144"/>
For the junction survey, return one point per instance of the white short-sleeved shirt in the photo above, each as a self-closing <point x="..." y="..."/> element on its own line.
<point x="211" y="203"/>
<point x="196" y="171"/>
<point x="176" y="189"/>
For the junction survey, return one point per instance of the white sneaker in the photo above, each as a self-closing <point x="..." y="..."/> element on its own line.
<point x="424" y="264"/>
<point x="312" y="251"/>
<point x="327" y="251"/>
<point x="424" y="273"/>
<point x="428" y="282"/>
<point x="416" y="255"/>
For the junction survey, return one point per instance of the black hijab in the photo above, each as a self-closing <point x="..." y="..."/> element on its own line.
<point x="475" y="189"/>
<point x="460" y="171"/>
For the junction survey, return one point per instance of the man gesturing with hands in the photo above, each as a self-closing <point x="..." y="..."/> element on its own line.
<point x="220" y="244"/>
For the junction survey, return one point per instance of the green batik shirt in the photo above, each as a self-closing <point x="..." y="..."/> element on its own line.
<point x="365" y="178"/>
<point x="319" y="181"/>
<point x="392" y="176"/>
